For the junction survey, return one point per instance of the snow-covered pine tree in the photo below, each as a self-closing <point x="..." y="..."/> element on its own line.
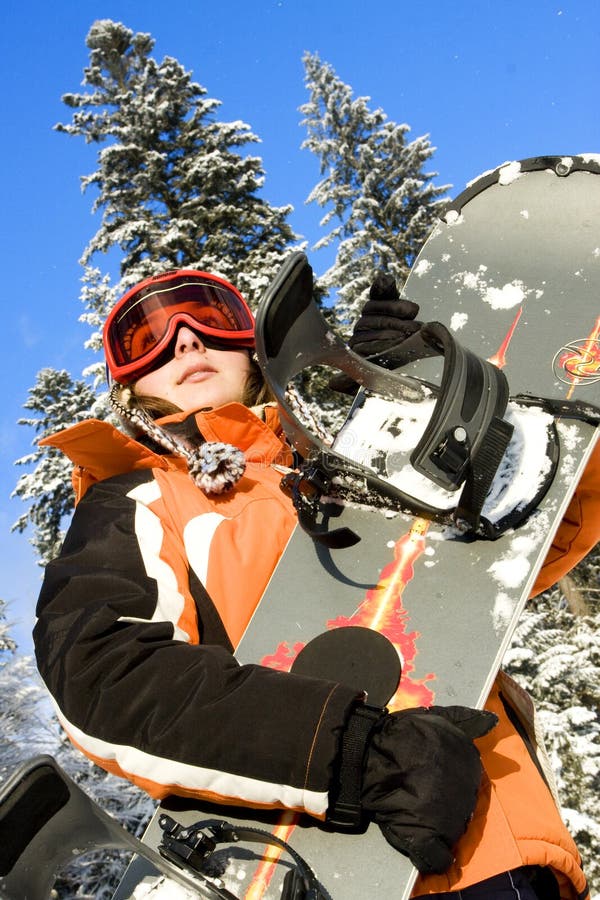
<point x="23" y="730"/>
<point x="174" y="184"/>
<point x="380" y="203"/>
<point x="55" y="401"/>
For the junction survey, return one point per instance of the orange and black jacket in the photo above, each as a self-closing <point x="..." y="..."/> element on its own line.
<point x="139" y="615"/>
<point x="138" y="619"/>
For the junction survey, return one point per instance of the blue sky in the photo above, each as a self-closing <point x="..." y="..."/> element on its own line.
<point x="487" y="81"/>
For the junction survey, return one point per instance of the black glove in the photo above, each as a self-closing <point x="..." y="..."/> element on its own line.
<point x="420" y="778"/>
<point x="385" y="320"/>
<point x="384" y="323"/>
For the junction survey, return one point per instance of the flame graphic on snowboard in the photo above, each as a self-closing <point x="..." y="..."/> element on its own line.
<point x="383" y="611"/>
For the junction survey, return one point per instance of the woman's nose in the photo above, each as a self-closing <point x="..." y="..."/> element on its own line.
<point x="187" y="340"/>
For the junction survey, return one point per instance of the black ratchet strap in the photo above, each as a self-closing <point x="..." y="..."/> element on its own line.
<point x="466" y="437"/>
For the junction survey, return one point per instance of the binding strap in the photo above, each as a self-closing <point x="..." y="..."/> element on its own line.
<point x="466" y="437"/>
<point x="191" y="846"/>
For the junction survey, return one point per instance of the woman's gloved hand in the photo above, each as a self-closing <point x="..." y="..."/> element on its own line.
<point x="385" y="322"/>
<point x="420" y="777"/>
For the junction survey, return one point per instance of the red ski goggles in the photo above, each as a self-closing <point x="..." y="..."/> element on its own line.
<point x="143" y="323"/>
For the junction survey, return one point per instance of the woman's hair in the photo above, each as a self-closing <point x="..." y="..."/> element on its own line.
<point x="256" y="392"/>
<point x="256" y="389"/>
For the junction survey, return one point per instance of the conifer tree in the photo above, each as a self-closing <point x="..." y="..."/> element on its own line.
<point x="379" y="202"/>
<point x="55" y="402"/>
<point x="22" y="733"/>
<point x="172" y="183"/>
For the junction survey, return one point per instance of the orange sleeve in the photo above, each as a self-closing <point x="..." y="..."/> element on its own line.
<point x="579" y="531"/>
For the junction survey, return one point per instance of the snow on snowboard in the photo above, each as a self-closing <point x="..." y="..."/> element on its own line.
<point x="396" y="535"/>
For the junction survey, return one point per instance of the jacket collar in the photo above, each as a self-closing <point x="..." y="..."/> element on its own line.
<point x="257" y="437"/>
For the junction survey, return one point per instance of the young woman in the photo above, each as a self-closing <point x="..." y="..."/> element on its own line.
<point x="179" y="524"/>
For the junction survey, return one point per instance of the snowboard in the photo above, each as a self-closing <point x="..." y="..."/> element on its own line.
<point x="511" y="271"/>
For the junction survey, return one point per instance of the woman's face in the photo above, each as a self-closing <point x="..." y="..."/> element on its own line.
<point x="198" y="376"/>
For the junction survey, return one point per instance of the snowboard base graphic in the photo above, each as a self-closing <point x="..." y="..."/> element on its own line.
<point x="513" y="271"/>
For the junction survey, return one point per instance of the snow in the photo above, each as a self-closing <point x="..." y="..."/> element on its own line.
<point x="590" y="157"/>
<point x="162" y="889"/>
<point x="566" y="163"/>
<point x="422" y="267"/>
<point x="504" y="607"/>
<point x="232" y="880"/>
<point x="510" y="570"/>
<point x="478" y="177"/>
<point x="452" y="217"/>
<point x="525" y="463"/>
<point x="577" y="822"/>
<point x="509" y="172"/>
<point x="507" y="296"/>
<point x="392" y="429"/>
<point x="470" y="279"/>
<point x="458" y="321"/>
<point x="580" y="715"/>
<point x="569" y="435"/>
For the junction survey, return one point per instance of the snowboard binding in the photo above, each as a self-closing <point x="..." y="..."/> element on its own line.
<point x="460" y="450"/>
<point x="192" y="846"/>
